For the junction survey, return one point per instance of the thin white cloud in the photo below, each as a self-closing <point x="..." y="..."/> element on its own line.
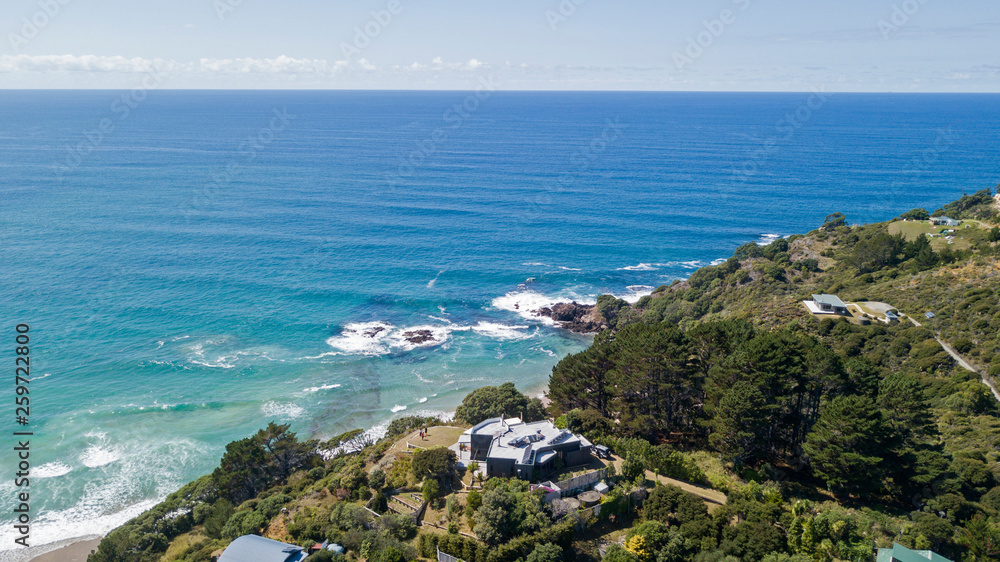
<point x="74" y="63"/>
<point x="279" y="65"/>
<point x="439" y="64"/>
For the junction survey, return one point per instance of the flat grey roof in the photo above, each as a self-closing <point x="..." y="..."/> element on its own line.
<point x="831" y="300"/>
<point x="516" y="441"/>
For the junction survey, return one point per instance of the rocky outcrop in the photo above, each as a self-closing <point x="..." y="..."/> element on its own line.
<point x="580" y="318"/>
<point x="419" y="336"/>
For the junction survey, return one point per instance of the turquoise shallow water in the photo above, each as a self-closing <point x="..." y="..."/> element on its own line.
<point x="185" y="285"/>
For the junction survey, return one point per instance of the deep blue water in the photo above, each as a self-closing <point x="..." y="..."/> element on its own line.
<point x="185" y="285"/>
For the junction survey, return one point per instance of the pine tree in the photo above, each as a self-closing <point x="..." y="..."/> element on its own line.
<point x="847" y="446"/>
<point x="740" y="421"/>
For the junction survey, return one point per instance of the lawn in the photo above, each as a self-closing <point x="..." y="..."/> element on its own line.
<point x="435" y="437"/>
<point x="441" y="436"/>
<point x="912" y="229"/>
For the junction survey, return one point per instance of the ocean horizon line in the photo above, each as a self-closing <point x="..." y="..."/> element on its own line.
<point x="526" y="91"/>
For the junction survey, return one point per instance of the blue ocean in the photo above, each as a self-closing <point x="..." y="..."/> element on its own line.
<point x="195" y="264"/>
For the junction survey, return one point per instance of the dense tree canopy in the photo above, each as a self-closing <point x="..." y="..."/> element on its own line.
<point x="851" y="438"/>
<point x="437" y="463"/>
<point x="495" y="401"/>
<point x="249" y="465"/>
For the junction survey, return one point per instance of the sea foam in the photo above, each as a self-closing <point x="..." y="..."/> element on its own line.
<point x="277" y="410"/>
<point x="51" y="470"/>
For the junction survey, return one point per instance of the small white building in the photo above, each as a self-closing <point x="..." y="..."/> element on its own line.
<point x="826" y="304"/>
<point x="943" y="221"/>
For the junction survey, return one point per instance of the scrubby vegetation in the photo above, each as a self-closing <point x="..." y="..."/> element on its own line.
<point x="873" y="426"/>
<point x="828" y="437"/>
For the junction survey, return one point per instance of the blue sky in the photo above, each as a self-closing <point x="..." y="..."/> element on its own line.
<point x="742" y="45"/>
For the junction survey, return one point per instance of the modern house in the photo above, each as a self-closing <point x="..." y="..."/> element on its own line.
<point x="511" y="448"/>
<point x="252" y="548"/>
<point x="826" y="304"/>
<point x="942" y="220"/>
<point x="899" y="553"/>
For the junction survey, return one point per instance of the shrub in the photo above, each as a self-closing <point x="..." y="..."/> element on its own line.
<point x="963" y="345"/>
<point x="402" y="527"/>
<point x="430" y="490"/>
<point x="437" y="463"/>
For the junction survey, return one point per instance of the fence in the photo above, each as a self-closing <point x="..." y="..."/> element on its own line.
<point x="442" y="557"/>
<point x="571" y="485"/>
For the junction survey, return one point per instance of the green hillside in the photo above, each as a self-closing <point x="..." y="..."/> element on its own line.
<point x="829" y="435"/>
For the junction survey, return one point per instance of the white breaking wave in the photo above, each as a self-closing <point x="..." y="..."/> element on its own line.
<point x="319" y="388"/>
<point x="502" y="331"/>
<point x="51" y="470"/>
<point x="380" y="338"/>
<point x="276" y="410"/>
<point x="691" y="264"/>
<point x="95" y="456"/>
<point x="397" y="408"/>
<point x="422" y="400"/>
<point x="432" y="282"/>
<point x="548" y="352"/>
<point x="217" y="352"/>
<point x="100" y="452"/>
<point x="636" y="292"/>
<point x="766" y="239"/>
<point x="525" y="303"/>
<point x="640" y="267"/>
<point x="364" y="338"/>
<point x="106" y="503"/>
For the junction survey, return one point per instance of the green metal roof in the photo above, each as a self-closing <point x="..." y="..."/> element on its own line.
<point x="899" y="553"/>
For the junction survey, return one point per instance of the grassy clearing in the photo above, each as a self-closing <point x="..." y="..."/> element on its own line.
<point x="435" y="437"/>
<point x="438" y="436"/>
<point x="911" y="230"/>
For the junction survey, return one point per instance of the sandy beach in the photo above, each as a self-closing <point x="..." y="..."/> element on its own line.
<point x="73" y="550"/>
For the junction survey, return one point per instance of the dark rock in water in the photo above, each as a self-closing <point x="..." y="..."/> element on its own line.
<point x="419" y="336"/>
<point x="581" y="318"/>
<point x="372" y="332"/>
